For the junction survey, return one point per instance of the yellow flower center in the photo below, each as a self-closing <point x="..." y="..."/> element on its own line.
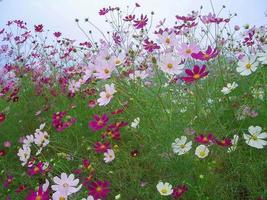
<point x="206" y="56"/>
<point x="202" y="153"/>
<point x="38" y="197"/>
<point x="170" y="65"/>
<point x="65" y="185"/>
<point x="108" y="95"/>
<point x="196" y="76"/>
<point x="254" y="137"/>
<point x="188" y="51"/>
<point x="168" y="40"/>
<point x="164" y="191"/>
<point x="248" y="66"/>
<point x="117" y="61"/>
<point x="106" y="71"/>
<point x="61" y="198"/>
<point x="98" y="189"/>
<point x="182" y="146"/>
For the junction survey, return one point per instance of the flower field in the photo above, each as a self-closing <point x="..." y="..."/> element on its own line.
<point x="143" y="113"/>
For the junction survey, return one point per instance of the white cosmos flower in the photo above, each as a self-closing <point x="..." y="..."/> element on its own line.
<point x="65" y="185"/>
<point x="107" y="95"/>
<point x="247" y="65"/>
<point x="138" y="74"/>
<point x="109" y="156"/>
<point x="202" y="151"/>
<point x="41" y="139"/>
<point x="24" y="154"/>
<point x="229" y="87"/>
<point x="262" y="57"/>
<point x="255" y="137"/>
<point x="164" y="189"/>
<point x="28" y="140"/>
<point x="135" y="123"/>
<point x="234" y="144"/>
<point x="180" y="146"/>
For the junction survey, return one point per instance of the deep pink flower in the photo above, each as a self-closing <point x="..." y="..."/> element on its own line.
<point x="195" y="74"/>
<point x="36" y="169"/>
<point x="39" y="195"/>
<point x="101" y="147"/>
<point x="98" y="122"/>
<point x="59" y="123"/>
<point x="103" y="11"/>
<point x="99" y="189"/>
<point x="129" y="18"/>
<point x="150" y="46"/>
<point x="2" y="117"/>
<point x="57" y="34"/>
<point x="141" y="23"/>
<point x="2" y="152"/>
<point x="226" y="142"/>
<point x="202" y="139"/>
<point x="8" y="181"/>
<point x="38" y="28"/>
<point x="207" y="55"/>
<point x="92" y="103"/>
<point x="178" y="191"/>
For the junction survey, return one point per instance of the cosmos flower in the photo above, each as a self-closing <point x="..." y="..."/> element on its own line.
<point x="109" y="156"/>
<point x="135" y="123"/>
<point x="150" y="46"/>
<point x="99" y="189"/>
<point x="171" y="65"/>
<point x="247" y="65"/>
<point x="24" y="154"/>
<point x="195" y="74"/>
<point x="101" y="147"/>
<point x="256" y="137"/>
<point x="165" y="189"/>
<point x="2" y="117"/>
<point x="207" y="55"/>
<point x="180" y="146"/>
<point x="167" y="39"/>
<point x="141" y="23"/>
<point x="234" y="144"/>
<point x="129" y="18"/>
<point x="98" y="122"/>
<point x="38" y="28"/>
<point x="229" y="87"/>
<point x="202" y="139"/>
<point x="226" y="142"/>
<point x="202" y="151"/>
<point x="65" y="185"/>
<point x="41" y="194"/>
<point x="178" y="191"/>
<point x="107" y="95"/>
<point x="104" y="69"/>
<point x="185" y="50"/>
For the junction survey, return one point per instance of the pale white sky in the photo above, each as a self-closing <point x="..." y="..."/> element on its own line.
<point x="59" y="15"/>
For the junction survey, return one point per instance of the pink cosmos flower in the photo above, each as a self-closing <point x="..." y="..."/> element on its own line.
<point x="226" y="142"/>
<point x="178" y="191"/>
<point x="202" y="139"/>
<point x="207" y="55"/>
<point x="41" y="194"/>
<point x="104" y="69"/>
<point x="141" y="23"/>
<point x="99" y="189"/>
<point x="98" y="122"/>
<point x="195" y="74"/>
<point x="57" y="34"/>
<point x="101" y="147"/>
<point x="107" y="95"/>
<point x="129" y="18"/>
<point x="185" y="50"/>
<point x="150" y="46"/>
<point x="38" y="28"/>
<point x="168" y="39"/>
<point x="36" y="169"/>
<point x="103" y="11"/>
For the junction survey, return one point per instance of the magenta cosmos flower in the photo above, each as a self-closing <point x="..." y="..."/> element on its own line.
<point x="150" y="46"/>
<point x="98" y="122"/>
<point x="2" y="117"/>
<point x="203" y="139"/>
<point x="226" y="142"/>
<point x="101" y="147"/>
<point x="141" y="23"/>
<point x="207" y="55"/>
<point x="195" y="74"/>
<point x="178" y="191"/>
<point x="99" y="189"/>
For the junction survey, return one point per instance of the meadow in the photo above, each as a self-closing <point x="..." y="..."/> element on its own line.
<point x="144" y="113"/>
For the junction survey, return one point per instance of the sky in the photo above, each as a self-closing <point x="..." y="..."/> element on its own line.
<point x="59" y="15"/>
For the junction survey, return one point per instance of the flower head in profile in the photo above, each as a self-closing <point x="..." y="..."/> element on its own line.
<point x="207" y="55"/>
<point x="150" y="46"/>
<point x="247" y="65"/>
<point x="256" y="137"/>
<point x="99" y="189"/>
<point x="195" y="74"/>
<point x="107" y="95"/>
<point x="98" y="122"/>
<point x="180" y="145"/>
<point x="165" y="189"/>
<point x="141" y="23"/>
<point x="65" y="185"/>
<point x="109" y="156"/>
<point x="202" y="151"/>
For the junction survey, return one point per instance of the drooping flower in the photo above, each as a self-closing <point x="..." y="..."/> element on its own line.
<point x="109" y="156"/>
<point x="141" y="23"/>
<point x="247" y="65"/>
<point x="207" y="55"/>
<point x="195" y="74"/>
<point x="107" y="95"/>
<point x="165" y="189"/>
<point x="150" y="46"/>
<point x="202" y="151"/>
<point x="101" y="147"/>
<point x="178" y="191"/>
<point x="65" y="184"/>
<point x="171" y="65"/>
<point x="255" y="137"/>
<point x="99" y="189"/>
<point x="98" y="122"/>
<point x="180" y="146"/>
<point x="229" y="87"/>
<point x="185" y="50"/>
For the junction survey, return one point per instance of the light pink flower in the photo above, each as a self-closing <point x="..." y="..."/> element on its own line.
<point x="107" y="95"/>
<point x="185" y="50"/>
